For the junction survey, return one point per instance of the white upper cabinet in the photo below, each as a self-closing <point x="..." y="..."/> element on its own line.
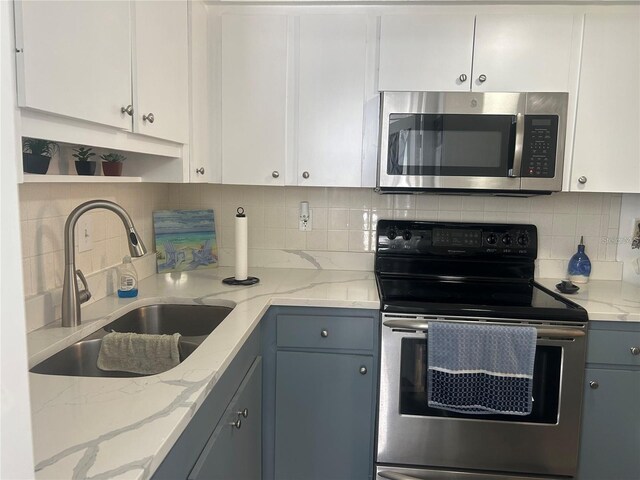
<point x="92" y="60"/>
<point x="161" y="67"/>
<point x="331" y="100"/>
<point x="74" y="59"/>
<point x="254" y="99"/>
<point x="484" y="53"/>
<point x="606" y="155"/>
<point x="523" y="53"/>
<point x="426" y="53"/>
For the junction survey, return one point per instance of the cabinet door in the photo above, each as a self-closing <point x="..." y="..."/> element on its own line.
<point x="234" y="451"/>
<point x="426" y="53"/>
<point x="323" y="416"/>
<point x="254" y="100"/>
<point x="610" y="439"/>
<point x="74" y="59"/>
<point x="606" y="147"/>
<point x="331" y="100"/>
<point x="160" y="59"/>
<point x="523" y="53"/>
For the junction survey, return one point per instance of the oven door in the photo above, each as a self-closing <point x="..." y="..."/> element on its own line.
<point x="451" y="140"/>
<point x="544" y="442"/>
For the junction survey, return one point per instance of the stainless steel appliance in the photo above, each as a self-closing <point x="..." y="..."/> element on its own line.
<point x="511" y="143"/>
<point x="468" y="272"/>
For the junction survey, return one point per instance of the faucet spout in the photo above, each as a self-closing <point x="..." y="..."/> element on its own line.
<point x="72" y="297"/>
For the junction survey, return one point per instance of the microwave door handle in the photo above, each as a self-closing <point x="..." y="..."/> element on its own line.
<point x="514" y="171"/>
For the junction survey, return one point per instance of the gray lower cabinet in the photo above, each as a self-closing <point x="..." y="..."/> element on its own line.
<point x="610" y="438"/>
<point x="320" y="409"/>
<point x="234" y="449"/>
<point x="323" y="416"/>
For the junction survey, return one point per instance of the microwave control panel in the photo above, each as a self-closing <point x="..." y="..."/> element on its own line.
<point x="539" y="146"/>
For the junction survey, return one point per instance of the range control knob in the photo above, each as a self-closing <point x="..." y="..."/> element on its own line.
<point x="492" y="238"/>
<point x="523" y="240"/>
<point x="506" y="239"/>
<point x="406" y="235"/>
<point x="391" y="234"/>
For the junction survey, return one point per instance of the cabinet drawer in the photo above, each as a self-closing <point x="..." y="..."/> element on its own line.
<point x="322" y="331"/>
<point x="613" y="347"/>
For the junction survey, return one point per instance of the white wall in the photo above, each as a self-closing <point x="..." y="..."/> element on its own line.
<point x="630" y="211"/>
<point x="16" y="460"/>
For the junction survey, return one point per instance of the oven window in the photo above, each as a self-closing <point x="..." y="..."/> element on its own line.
<point x="451" y="145"/>
<point x="546" y="385"/>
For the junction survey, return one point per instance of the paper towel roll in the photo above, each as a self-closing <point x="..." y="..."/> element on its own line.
<point x="241" y="245"/>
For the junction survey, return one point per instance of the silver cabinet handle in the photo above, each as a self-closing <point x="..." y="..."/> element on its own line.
<point x="148" y="118"/>
<point x="200" y="170"/>
<point x="324" y="333"/>
<point x="593" y="384"/>
<point x="482" y="78"/>
<point x="275" y="174"/>
<point x="128" y="110"/>
<point x="305" y="174"/>
<point x="463" y="78"/>
<point x="635" y="350"/>
<point x="582" y="180"/>
<point x="243" y="413"/>
<point x="237" y="424"/>
<point x="363" y="370"/>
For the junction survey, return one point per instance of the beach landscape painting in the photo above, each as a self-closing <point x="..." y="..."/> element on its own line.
<point x="185" y="240"/>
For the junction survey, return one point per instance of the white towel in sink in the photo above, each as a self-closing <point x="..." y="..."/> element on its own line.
<point x="139" y="353"/>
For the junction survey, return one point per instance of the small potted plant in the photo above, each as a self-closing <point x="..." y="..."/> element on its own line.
<point x="83" y="165"/>
<point x="36" y="155"/>
<point x="112" y="165"/>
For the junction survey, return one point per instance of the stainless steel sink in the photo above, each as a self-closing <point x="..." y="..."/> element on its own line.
<point x="193" y="322"/>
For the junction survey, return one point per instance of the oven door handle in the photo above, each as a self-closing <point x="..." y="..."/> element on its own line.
<point x="544" y="332"/>
<point x="391" y="475"/>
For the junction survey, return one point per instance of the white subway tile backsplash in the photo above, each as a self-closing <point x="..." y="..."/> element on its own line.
<point x="343" y="220"/>
<point x="338" y="219"/>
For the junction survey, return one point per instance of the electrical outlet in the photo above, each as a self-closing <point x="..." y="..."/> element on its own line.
<point x="84" y="233"/>
<point x="306" y="225"/>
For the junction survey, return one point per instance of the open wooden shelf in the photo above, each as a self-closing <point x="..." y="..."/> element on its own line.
<point x="35" y="178"/>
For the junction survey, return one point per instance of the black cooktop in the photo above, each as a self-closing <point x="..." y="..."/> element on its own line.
<point x="469" y="269"/>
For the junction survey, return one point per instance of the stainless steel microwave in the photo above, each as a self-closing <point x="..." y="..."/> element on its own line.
<point x="500" y="143"/>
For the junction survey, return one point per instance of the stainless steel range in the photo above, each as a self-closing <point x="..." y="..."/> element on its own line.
<point x="468" y="272"/>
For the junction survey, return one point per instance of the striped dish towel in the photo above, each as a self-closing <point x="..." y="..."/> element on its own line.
<point x="480" y="369"/>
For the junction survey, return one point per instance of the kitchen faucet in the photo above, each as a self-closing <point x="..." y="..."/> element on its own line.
<point x="71" y="296"/>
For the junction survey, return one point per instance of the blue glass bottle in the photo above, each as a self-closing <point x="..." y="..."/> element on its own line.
<point x="579" y="265"/>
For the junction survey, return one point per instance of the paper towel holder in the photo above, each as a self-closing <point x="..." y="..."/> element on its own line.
<point x="233" y="280"/>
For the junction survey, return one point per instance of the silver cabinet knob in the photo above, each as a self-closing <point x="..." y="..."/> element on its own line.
<point x="482" y="78"/>
<point x="324" y="333"/>
<point x="635" y="350"/>
<point x="237" y="424"/>
<point x="243" y="413"/>
<point x="148" y="118"/>
<point x="582" y="180"/>
<point x="593" y="384"/>
<point x="128" y="110"/>
<point x="363" y="370"/>
<point x="463" y="78"/>
<point x="275" y="174"/>
<point x="305" y="174"/>
<point x="200" y="170"/>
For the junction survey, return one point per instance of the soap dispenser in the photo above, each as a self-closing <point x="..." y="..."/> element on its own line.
<point x="579" y="265"/>
<point x="127" y="279"/>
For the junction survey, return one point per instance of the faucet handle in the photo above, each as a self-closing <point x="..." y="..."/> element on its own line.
<point x="83" y="294"/>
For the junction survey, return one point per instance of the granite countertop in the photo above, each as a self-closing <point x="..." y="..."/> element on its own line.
<point x="107" y="428"/>
<point x="604" y="299"/>
<point x="104" y="428"/>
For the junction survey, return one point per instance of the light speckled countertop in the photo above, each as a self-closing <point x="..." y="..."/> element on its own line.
<point x="108" y="428"/>
<point x="604" y="299"/>
<point x="122" y="428"/>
